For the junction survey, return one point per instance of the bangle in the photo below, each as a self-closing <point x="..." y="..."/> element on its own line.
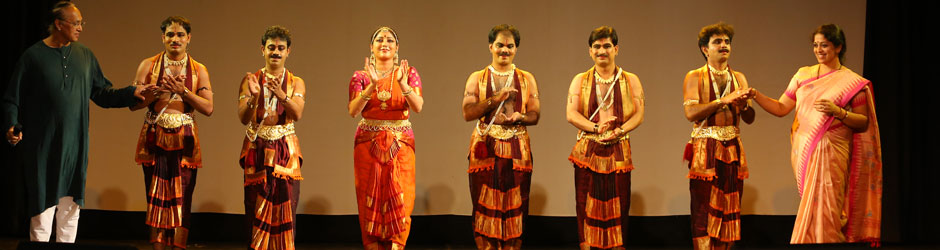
<point x="286" y="99"/>
<point x="595" y="128"/>
<point x="364" y="96"/>
<point x="845" y="114"/>
<point x="407" y="92"/>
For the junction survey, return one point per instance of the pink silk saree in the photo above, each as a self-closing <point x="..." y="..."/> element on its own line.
<point x="838" y="170"/>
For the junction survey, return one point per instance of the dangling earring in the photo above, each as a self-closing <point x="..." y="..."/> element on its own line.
<point x="372" y="58"/>
<point x="396" y="57"/>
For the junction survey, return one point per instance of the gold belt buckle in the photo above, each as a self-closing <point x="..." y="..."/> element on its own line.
<point x="597" y="137"/>
<point x="384" y="125"/>
<point x="721" y="133"/>
<point x="270" y="133"/>
<point x="173" y="120"/>
<point x="503" y="132"/>
<point x="276" y="132"/>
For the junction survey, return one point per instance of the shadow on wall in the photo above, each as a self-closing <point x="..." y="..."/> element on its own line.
<point x="315" y="205"/>
<point x="749" y="199"/>
<point x="113" y="198"/>
<point x="680" y="204"/>
<point x="783" y="200"/>
<point x="538" y="197"/>
<point x="641" y="200"/>
<point x="438" y="198"/>
<point x="210" y="206"/>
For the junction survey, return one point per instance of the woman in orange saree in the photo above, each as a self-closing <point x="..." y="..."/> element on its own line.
<point x="383" y="93"/>
<point x="836" y="148"/>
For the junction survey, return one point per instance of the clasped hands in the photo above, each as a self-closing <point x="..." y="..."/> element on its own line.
<point x="610" y="124"/>
<point x="738" y="98"/>
<point x="272" y="83"/>
<point x="374" y="76"/>
<point x="501" y="118"/>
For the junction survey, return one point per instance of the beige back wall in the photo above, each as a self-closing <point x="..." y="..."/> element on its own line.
<point x="446" y="41"/>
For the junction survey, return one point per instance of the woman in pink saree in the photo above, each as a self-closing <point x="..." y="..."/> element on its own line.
<point x="836" y="148"/>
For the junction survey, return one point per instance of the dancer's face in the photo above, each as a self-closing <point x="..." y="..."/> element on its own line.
<point x="503" y="48"/>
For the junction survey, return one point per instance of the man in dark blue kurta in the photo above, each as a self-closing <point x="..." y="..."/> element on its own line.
<point x="48" y="96"/>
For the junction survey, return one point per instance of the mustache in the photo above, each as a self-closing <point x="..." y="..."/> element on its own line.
<point x="724" y="50"/>
<point x="604" y="55"/>
<point x="278" y="56"/>
<point x="504" y="54"/>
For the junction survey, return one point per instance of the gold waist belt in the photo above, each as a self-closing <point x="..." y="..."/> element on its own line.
<point x="166" y="120"/>
<point x="598" y="137"/>
<point x="721" y="133"/>
<point x="502" y="132"/>
<point x="269" y="132"/>
<point x="384" y="125"/>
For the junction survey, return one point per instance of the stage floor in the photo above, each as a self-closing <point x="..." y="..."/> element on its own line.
<point x="11" y="243"/>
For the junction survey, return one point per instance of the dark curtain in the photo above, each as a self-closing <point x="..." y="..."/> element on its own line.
<point x="25" y="25"/>
<point x="899" y="60"/>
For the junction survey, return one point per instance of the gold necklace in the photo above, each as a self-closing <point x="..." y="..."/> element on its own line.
<point x="386" y="94"/>
<point x="602" y="102"/>
<point x="170" y="62"/>
<point x="600" y="80"/>
<point x="726" y="73"/>
<point x="383" y="74"/>
<point x="504" y="74"/>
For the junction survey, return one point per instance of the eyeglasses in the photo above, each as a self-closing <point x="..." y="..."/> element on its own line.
<point x="75" y="23"/>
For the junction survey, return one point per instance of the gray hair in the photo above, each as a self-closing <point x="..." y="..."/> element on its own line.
<point x="57" y="12"/>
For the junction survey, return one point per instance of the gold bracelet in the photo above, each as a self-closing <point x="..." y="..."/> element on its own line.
<point x="364" y="96"/>
<point x="408" y="92"/>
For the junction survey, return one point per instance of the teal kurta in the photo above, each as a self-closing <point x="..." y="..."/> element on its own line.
<point x="48" y="95"/>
